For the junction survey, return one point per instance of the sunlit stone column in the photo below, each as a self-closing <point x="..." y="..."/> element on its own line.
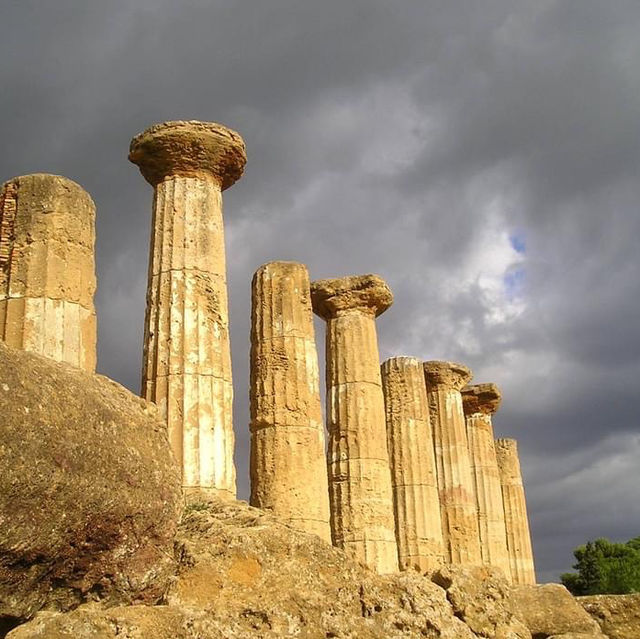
<point x="358" y="462"/>
<point x="515" y="513"/>
<point x="413" y="467"/>
<point x="480" y="402"/>
<point x="457" y="500"/>
<point x="47" y="268"/>
<point x="288" y="462"/>
<point x="187" y="362"/>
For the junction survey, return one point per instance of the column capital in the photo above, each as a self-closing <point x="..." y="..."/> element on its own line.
<point x="481" y="398"/>
<point x="369" y="294"/>
<point x="448" y="374"/>
<point x="189" y="148"/>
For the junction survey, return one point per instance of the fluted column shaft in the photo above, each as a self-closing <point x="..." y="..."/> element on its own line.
<point x="187" y="357"/>
<point x="47" y="268"/>
<point x="187" y="360"/>
<point x="288" y="462"/>
<point x="413" y="468"/>
<point x="480" y="402"/>
<point x="358" y="462"/>
<point x="515" y="511"/>
<point x="457" y="500"/>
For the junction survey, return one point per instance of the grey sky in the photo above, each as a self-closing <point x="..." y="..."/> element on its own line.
<point x="483" y="157"/>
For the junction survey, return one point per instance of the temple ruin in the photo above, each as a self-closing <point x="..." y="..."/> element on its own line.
<point x="515" y="513"/>
<point x="480" y="402"/>
<point x="360" y="492"/>
<point x="414" y="478"/>
<point x="187" y="352"/>
<point x="410" y="477"/>
<point x="288" y="467"/>
<point x="47" y="268"/>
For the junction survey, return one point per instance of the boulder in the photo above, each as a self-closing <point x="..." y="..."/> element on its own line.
<point x="242" y="573"/>
<point x="617" y="615"/>
<point x="550" y="609"/>
<point x="481" y="597"/>
<point x="89" y="491"/>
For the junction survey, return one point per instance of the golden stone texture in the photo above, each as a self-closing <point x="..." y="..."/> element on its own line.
<point x="480" y="401"/>
<point x="413" y="467"/>
<point x="515" y="513"/>
<point x="360" y="492"/>
<point x="187" y="360"/>
<point x="457" y="499"/>
<point x="47" y="268"/>
<point x="288" y="464"/>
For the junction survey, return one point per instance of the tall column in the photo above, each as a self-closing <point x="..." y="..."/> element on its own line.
<point x="47" y="268"/>
<point x="288" y="463"/>
<point x="413" y="467"/>
<point x="358" y="462"/>
<point x="457" y="500"/>
<point x="480" y="402"/>
<point x="187" y="361"/>
<point x="515" y="513"/>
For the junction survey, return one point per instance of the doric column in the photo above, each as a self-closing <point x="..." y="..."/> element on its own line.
<point x="480" y="402"/>
<point x="457" y="500"/>
<point x="358" y="462"/>
<point x="288" y="463"/>
<point x="187" y="361"/>
<point x="47" y="268"/>
<point x="413" y="467"/>
<point x="515" y="513"/>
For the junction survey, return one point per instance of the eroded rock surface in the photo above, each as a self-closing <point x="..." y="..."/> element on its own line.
<point x="89" y="490"/>
<point x="549" y="610"/>
<point x="242" y="573"/>
<point x="617" y="615"/>
<point x="481" y="597"/>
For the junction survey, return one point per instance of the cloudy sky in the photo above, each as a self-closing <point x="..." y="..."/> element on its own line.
<point x="483" y="157"/>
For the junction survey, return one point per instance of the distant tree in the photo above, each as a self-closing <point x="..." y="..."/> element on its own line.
<point x="605" y="567"/>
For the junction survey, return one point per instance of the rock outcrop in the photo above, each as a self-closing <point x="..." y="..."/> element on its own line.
<point x="242" y="573"/>
<point x="617" y="615"/>
<point x="89" y="491"/>
<point x="550" y="610"/>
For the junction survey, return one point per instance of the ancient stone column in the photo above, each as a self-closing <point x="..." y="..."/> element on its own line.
<point x="47" y="268"/>
<point x="187" y="361"/>
<point x="457" y="500"/>
<point x="358" y="462"/>
<point x="288" y="462"/>
<point x="413" y="468"/>
<point x="515" y="513"/>
<point x="480" y="402"/>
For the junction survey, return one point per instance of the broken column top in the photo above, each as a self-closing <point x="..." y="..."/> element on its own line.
<point x="481" y="398"/>
<point x="52" y="192"/>
<point x="366" y="293"/>
<point x="448" y="374"/>
<point x="189" y="148"/>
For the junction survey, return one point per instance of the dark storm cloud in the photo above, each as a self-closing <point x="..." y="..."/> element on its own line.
<point x="410" y="139"/>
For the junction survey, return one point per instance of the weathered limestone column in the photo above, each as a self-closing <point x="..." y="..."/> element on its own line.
<point x="288" y="462"/>
<point x="47" y="268"/>
<point x="187" y="361"/>
<point x="358" y="462"/>
<point x="480" y="402"/>
<point x="413" y="467"/>
<point x="515" y="513"/>
<point x="457" y="500"/>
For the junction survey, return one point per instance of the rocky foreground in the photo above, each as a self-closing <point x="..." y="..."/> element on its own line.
<point x="96" y="541"/>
